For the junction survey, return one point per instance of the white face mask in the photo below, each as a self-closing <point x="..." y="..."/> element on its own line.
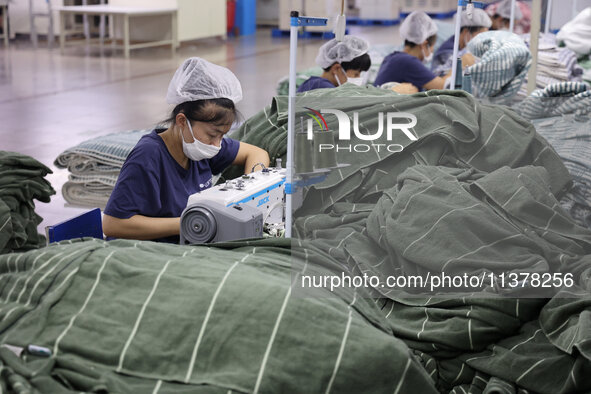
<point x="355" y="81"/>
<point x="197" y="150"/>
<point x="427" y="59"/>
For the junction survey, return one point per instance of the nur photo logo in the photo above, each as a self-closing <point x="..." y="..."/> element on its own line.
<point x="388" y="123"/>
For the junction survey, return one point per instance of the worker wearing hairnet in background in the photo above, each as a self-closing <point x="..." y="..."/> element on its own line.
<point x="341" y="61"/>
<point x="479" y="22"/>
<point x="501" y="20"/>
<point x="419" y="33"/>
<point x="169" y="164"/>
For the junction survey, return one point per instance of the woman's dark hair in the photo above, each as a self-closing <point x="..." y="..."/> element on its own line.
<point x="505" y="20"/>
<point x="472" y="29"/>
<point x="219" y="111"/>
<point x="361" y="63"/>
<point x="431" y="40"/>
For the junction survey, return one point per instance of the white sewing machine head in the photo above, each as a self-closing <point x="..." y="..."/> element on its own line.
<point x="235" y="209"/>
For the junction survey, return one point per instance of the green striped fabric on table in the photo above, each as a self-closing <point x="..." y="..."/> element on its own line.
<point x="131" y="316"/>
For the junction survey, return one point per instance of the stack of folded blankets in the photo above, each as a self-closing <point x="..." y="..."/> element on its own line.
<point x="94" y="166"/>
<point x="21" y="181"/>
<point x="576" y="35"/>
<point x="555" y="64"/>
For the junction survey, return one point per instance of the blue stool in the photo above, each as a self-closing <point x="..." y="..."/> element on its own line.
<point x="88" y="224"/>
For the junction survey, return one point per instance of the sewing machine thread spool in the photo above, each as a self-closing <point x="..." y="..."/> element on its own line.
<point x="459" y="76"/>
<point x="304" y="153"/>
<point x="467" y="83"/>
<point x="323" y="156"/>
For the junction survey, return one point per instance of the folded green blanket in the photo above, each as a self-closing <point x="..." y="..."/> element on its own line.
<point x="21" y="181"/>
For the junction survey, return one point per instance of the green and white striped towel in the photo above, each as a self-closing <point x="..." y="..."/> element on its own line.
<point x="557" y="99"/>
<point x="502" y="69"/>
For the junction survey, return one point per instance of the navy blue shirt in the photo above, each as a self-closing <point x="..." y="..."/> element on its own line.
<point x="402" y="67"/>
<point x="315" y="83"/>
<point x="447" y="45"/>
<point x="152" y="183"/>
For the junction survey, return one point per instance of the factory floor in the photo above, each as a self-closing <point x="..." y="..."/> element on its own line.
<point x="50" y="102"/>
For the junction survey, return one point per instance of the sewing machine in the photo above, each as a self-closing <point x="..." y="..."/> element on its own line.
<point x="236" y="209"/>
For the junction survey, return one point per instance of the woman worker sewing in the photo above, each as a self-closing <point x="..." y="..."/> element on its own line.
<point x="168" y="165"/>
<point x="419" y="33"/>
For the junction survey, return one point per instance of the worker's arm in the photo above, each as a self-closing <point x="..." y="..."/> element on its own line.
<point x="249" y="155"/>
<point x="468" y="60"/>
<point x="405" y="88"/>
<point x="140" y="227"/>
<point x="435" y="83"/>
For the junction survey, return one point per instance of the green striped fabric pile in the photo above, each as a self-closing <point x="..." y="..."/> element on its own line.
<point x="557" y="99"/>
<point x="141" y="317"/>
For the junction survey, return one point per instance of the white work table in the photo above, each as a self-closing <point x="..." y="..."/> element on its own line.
<point x="122" y="15"/>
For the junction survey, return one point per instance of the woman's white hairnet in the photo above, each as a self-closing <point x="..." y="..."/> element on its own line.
<point x="198" y="79"/>
<point x="417" y="27"/>
<point x="341" y="51"/>
<point x="504" y="10"/>
<point x="479" y="18"/>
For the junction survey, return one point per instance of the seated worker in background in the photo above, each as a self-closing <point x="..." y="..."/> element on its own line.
<point x="501" y="19"/>
<point x="470" y="28"/>
<point x="342" y="62"/>
<point x="168" y="165"/>
<point x="419" y="33"/>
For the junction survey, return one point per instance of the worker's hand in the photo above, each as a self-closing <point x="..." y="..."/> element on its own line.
<point x="405" y="88"/>
<point x="468" y="60"/>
